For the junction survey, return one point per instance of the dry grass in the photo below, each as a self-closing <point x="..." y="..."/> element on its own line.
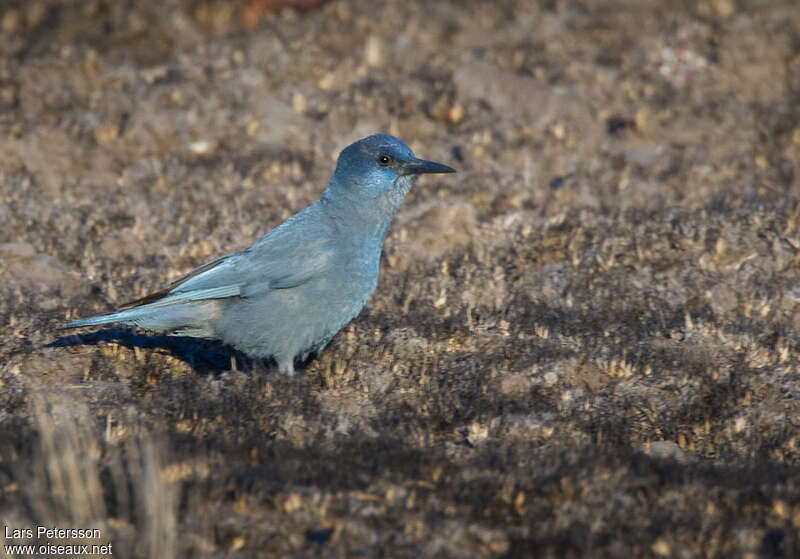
<point x="112" y="479"/>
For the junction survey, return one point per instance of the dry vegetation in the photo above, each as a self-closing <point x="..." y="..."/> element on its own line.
<point x="585" y="344"/>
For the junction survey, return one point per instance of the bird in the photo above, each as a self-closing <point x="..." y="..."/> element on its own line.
<point x="287" y="295"/>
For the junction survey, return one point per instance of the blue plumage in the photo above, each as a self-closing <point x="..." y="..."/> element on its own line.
<point x="290" y="292"/>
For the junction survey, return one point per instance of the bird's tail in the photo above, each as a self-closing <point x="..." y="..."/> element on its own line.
<point x="128" y="315"/>
<point x="191" y="318"/>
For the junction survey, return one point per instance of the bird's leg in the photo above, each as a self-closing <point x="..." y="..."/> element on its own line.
<point x="286" y="366"/>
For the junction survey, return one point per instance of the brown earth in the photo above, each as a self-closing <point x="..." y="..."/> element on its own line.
<point x="585" y="344"/>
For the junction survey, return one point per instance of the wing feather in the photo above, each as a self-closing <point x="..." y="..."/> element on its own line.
<point x="286" y="257"/>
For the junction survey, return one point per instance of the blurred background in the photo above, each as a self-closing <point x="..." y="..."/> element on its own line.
<point x="584" y="344"/>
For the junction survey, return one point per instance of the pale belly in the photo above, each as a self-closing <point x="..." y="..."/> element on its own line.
<point x="286" y="323"/>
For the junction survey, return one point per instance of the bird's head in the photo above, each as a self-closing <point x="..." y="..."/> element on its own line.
<point x="380" y="165"/>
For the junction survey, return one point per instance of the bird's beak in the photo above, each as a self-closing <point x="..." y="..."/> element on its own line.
<point x="416" y="166"/>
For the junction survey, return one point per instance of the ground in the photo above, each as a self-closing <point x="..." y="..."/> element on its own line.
<point x="584" y="344"/>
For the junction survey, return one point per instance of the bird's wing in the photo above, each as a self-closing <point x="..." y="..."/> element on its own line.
<point x="284" y="258"/>
<point x="160" y="294"/>
<point x="195" y="286"/>
<point x="298" y="250"/>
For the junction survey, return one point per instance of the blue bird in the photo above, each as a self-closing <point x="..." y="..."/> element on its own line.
<point x="289" y="293"/>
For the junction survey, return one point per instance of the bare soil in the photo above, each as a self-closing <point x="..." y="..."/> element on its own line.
<point x="584" y="344"/>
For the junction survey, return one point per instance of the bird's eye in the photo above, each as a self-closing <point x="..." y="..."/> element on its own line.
<point x="384" y="160"/>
